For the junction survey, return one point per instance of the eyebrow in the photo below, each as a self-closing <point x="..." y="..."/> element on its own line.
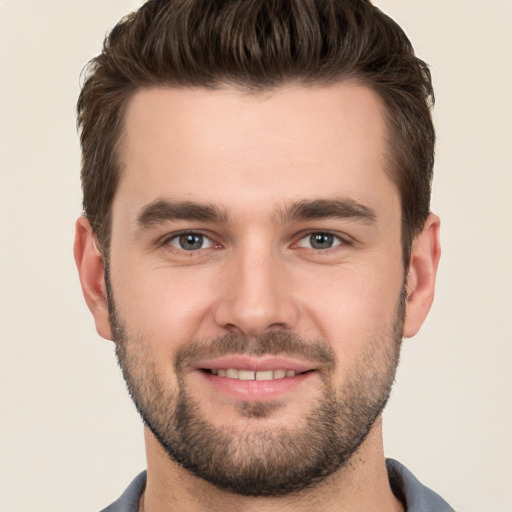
<point x="163" y="210"/>
<point x="326" y="209"/>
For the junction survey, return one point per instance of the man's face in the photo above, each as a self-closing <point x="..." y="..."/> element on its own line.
<point x="256" y="278"/>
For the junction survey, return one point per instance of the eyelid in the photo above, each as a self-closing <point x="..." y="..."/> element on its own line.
<point x="339" y="240"/>
<point x="168" y="238"/>
<point x="342" y="239"/>
<point x="343" y="242"/>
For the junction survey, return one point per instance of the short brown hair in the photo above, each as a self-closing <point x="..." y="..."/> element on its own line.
<point x="258" y="44"/>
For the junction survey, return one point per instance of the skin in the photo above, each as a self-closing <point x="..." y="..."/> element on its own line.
<point x="253" y="157"/>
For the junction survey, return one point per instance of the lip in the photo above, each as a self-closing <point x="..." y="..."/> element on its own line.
<point x="253" y="390"/>
<point x="255" y="364"/>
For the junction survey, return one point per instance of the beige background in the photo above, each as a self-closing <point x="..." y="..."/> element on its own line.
<point x="70" y="438"/>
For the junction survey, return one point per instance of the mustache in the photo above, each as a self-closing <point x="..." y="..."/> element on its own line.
<point x="278" y="343"/>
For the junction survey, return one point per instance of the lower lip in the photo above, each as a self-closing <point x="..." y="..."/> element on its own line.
<point x="255" y="389"/>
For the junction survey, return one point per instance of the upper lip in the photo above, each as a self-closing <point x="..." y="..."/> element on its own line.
<point x="256" y="364"/>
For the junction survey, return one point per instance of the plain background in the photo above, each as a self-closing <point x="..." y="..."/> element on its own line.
<point x="70" y="438"/>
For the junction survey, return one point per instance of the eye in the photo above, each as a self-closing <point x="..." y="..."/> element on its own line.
<point x="190" y="241"/>
<point x="320" y="241"/>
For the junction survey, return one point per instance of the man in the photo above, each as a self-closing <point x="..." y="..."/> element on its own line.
<point x="256" y="241"/>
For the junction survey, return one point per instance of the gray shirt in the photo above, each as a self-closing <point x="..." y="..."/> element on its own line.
<point x="406" y="487"/>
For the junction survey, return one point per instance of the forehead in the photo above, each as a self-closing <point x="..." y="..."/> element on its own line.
<point x="221" y="145"/>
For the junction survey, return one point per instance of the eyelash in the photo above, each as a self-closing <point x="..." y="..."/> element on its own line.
<point x="337" y="241"/>
<point x="176" y="236"/>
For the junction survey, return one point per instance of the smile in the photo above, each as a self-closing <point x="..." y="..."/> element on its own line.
<point x="249" y="377"/>
<point x="234" y="373"/>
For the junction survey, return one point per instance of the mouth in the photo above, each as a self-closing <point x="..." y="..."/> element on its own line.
<point x="240" y="374"/>
<point x="254" y="378"/>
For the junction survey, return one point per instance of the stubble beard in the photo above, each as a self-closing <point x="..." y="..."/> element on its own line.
<point x="262" y="460"/>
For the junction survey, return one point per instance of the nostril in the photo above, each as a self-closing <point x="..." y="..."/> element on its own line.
<point x="253" y="314"/>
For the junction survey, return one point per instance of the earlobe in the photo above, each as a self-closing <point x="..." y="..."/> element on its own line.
<point x="91" y="270"/>
<point x="421" y="278"/>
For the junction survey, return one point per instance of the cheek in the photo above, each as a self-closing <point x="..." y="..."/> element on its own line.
<point x="161" y="315"/>
<point x="350" y="306"/>
<point x="163" y="306"/>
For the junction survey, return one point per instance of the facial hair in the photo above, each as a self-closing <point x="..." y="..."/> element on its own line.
<point x="261" y="460"/>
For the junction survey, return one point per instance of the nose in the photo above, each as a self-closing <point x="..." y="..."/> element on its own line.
<point x="256" y="294"/>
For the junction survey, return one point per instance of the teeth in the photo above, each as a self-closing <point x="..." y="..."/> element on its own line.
<point x="233" y="373"/>
<point x="265" y="375"/>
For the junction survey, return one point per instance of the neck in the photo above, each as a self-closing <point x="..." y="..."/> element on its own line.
<point x="360" y="485"/>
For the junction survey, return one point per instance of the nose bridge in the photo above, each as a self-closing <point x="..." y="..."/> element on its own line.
<point x="255" y="297"/>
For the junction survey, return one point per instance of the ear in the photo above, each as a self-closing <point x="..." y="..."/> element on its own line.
<point x="421" y="278"/>
<point x="91" y="270"/>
